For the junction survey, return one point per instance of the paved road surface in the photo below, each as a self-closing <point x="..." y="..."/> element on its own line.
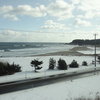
<point x="41" y="81"/>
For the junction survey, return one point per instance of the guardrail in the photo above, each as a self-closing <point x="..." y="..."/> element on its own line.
<point x="39" y="81"/>
<point x="53" y="75"/>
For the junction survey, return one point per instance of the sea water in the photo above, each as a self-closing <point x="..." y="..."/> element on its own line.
<point x="20" y="49"/>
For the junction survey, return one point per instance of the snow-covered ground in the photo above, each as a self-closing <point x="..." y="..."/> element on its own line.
<point x="85" y="87"/>
<point x="91" y="51"/>
<point x="88" y="86"/>
<point x="28" y="71"/>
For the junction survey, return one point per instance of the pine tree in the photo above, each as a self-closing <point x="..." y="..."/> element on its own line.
<point x="7" y="69"/>
<point x="84" y="63"/>
<point x="52" y="63"/>
<point x="74" y="64"/>
<point x="62" y="64"/>
<point x="35" y="63"/>
<point x="99" y="59"/>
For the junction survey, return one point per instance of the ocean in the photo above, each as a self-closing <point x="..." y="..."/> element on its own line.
<point x="21" y="49"/>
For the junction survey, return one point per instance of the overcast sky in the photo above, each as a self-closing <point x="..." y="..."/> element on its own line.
<point x="49" y="20"/>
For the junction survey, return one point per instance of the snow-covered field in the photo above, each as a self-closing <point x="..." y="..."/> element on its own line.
<point x="88" y="87"/>
<point x="28" y="71"/>
<point x="85" y="87"/>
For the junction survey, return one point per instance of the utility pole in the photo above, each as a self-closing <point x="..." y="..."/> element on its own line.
<point x="95" y="47"/>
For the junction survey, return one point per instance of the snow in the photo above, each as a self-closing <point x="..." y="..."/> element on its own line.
<point x="67" y="90"/>
<point x="91" y="51"/>
<point x="28" y="71"/>
<point x="88" y="87"/>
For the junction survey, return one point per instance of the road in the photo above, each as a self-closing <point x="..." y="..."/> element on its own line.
<point x="47" y="80"/>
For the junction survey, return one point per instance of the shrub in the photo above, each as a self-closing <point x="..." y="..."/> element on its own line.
<point x="36" y="64"/>
<point x="7" y="69"/>
<point x="14" y="68"/>
<point x="97" y="97"/>
<point x="99" y="59"/>
<point x="74" y="64"/>
<point x="52" y="63"/>
<point x="2" y="69"/>
<point x="62" y="64"/>
<point x="84" y="63"/>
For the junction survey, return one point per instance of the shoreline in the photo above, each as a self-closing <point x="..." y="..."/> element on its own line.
<point x="70" y="52"/>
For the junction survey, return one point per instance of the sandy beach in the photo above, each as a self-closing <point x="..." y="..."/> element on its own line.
<point x="71" y="52"/>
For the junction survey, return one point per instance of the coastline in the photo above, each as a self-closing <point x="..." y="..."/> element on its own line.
<point x="70" y="52"/>
<point x="75" y="51"/>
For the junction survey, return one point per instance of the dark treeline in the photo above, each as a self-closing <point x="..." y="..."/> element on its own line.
<point x="85" y="42"/>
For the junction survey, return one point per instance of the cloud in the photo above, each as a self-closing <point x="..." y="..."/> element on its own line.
<point x="10" y="32"/>
<point x="87" y="5"/>
<point x="48" y="27"/>
<point x="10" y="12"/>
<point x="49" y="24"/>
<point x="98" y="27"/>
<point x="28" y="10"/>
<point x="91" y="14"/>
<point x="12" y="17"/>
<point x="79" y="22"/>
<point x="60" y="9"/>
<point x="13" y="36"/>
<point x="19" y="36"/>
<point x="5" y="9"/>
<point x="91" y="8"/>
<point x="75" y="1"/>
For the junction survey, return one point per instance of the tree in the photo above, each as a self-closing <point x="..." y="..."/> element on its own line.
<point x="7" y="69"/>
<point x="52" y="63"/>
<point x="99" y="59"/>
<point x="84" y="63"/>
<point x="35" y="63"/>
<point x="74" y="64"/>
<point x="2" y="69"/>
<point x="62" y="64"/>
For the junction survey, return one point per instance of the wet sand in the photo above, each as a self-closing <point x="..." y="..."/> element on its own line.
<point x="71" y="52"/>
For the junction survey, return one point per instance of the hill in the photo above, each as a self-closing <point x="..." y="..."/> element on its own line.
<point x="85" y="42"/>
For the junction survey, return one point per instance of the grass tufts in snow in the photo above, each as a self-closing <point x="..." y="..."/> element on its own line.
<point x="87" y="98"/>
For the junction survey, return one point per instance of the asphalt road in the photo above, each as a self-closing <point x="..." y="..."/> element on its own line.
<point x="47" y="80"/>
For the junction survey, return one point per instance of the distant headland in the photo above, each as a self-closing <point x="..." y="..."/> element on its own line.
<point x="85" y="42"/>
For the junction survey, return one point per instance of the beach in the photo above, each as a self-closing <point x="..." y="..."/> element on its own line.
<point x="45" y="49"/>
<point x="30" y="49"/>
<point x="70" y="52"/>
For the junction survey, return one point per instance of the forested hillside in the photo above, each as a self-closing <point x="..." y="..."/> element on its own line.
<point x="85" y="42"/>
